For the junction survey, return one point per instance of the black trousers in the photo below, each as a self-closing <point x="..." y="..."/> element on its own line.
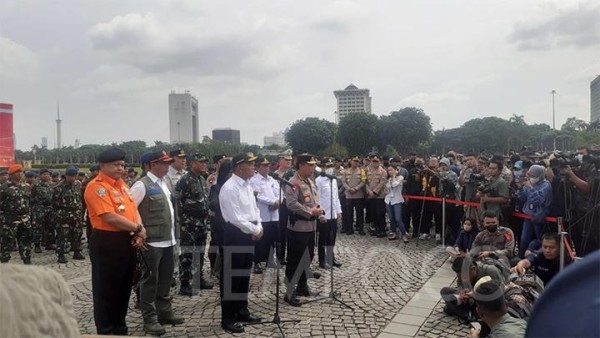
<point x="327" y="236"/>
<point x="155" y="301"/>
<point x="356" y="204"/>
<point x="377" y="207"/>
<point x="283" y="222"/>
<point x="113" y="264"/>
<point x="432" y="211"/>
<point x="346" y="214"/>
<point x="216" y="242"/>
<point x="301" y="247"/>
<point x="265" y="244"/>
<point x="238" y="252"/>
<point x="414" y="208"/>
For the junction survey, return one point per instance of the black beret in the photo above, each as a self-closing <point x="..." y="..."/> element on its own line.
<point x="29" y="174"/>
<point x="111" y="155"/>
<point x="43" y="171"/>
<point x="72" y="171"/>
<point x="55" y="174"/>
<point x="95" y="167"/>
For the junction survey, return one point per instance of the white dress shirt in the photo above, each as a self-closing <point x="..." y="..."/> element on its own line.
<point x="324" y="187"/>
<point x="238" y="205"/>
<point x="138" y="192"/>
<point x="267" y="193"/>
<point x="394" y="190"/>
<point x="173" y="176"/>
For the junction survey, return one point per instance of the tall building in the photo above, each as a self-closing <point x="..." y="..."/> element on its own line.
<point x="183" y="118"/>
<point x="45" y="142"/>
<point x="58" y="128"/>
<point x="277" y="139"/>
<point x="595" y="100"/>
<point x="352" y="100"/>
<point x="226" y="135"/>
<point x="7" y="136"/>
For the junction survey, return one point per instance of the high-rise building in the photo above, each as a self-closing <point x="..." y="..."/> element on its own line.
<point x="45" y="142"/>
<point x="595" y="99"/>
<point x="352" y="100"/>
<point x="276" y="139"/>
<point x="183" y="118"/>
<point x="7" y="136"/>
<point x="226" y="135"/>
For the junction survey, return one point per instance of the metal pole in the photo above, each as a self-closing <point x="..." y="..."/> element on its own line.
<point x="562" y="250"/>
<point x="443" y="221"/>
<point x="553" y="92"/>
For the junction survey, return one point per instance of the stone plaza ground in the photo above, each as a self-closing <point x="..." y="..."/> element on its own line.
<point x="378" y="279"/>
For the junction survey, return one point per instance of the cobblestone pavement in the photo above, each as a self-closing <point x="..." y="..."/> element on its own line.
<point x="441" y="325"/>
<point x="377" y="279"/>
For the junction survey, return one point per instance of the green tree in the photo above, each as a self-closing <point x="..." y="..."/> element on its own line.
<point x="358" y="133"/>
<point x="311" y="135"/>
<point x="404" y="129"/>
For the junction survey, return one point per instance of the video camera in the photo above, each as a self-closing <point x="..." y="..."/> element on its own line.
<point x="564" y="160"/>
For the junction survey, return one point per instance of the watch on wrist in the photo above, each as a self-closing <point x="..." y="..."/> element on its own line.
<point x="140" y="227"/>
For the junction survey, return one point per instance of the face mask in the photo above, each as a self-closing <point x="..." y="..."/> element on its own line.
<point x="492" y="228"/>
<point x="579" y="157"/>
<point x="534" y="180"/>
<point x="329" y="171"/>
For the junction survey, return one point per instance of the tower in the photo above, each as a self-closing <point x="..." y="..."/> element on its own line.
<point x="183" y="118"/>
<point x="58" y="132"/>
<point x="352" y="100"/>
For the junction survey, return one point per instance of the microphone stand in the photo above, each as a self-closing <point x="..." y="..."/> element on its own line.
<point x="276" y="318"/>
<point x="329" y="255"/>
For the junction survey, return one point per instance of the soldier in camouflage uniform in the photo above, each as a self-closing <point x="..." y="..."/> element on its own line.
<point x="67" y="204"/>
<point x="15" y="216"/>
<point x="41" y="212"/>
<point x="191" y="196"/>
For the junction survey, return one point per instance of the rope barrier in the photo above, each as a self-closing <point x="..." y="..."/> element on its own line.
<point x="475" y="204"/>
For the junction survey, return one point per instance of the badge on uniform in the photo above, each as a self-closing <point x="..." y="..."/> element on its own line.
<point x="121" y="208"/>
<point x="101" y="192"/>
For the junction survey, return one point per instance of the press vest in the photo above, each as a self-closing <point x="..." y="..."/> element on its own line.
<point x="155" y="212"/>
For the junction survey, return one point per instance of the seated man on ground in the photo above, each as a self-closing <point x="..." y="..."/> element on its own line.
<point x="494" y="241"/>
<point x="546" y="261"/>
<point x="492" y="309"/>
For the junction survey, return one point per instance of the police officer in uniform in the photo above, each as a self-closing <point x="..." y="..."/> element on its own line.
<point x="494" y="241"/>
<point x="41" y="212"/>
<point x="117" y="233"/>
<point x="66" y="201"/>
<point x="302" y="203"/>
<point x="15" y="216"/>
<point x="193" y="203"/>
<point x="375" y="187"/>
<point x="353" y="180"/>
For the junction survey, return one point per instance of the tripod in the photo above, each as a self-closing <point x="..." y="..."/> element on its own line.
<point x="332" y="297"/>
<point x="276" y="318"/>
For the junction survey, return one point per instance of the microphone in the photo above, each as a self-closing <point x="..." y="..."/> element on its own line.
<point x="331" y="177"/>
<point x="282" y="180"/>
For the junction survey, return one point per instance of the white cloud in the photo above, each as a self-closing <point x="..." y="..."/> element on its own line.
<point x="17" y="62"/>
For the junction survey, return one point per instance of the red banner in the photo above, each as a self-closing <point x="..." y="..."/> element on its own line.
<point x="7" y="138"/>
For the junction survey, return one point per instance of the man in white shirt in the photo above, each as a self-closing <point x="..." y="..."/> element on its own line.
<point x="153" y="198"/>
<point x="268" y="199"/>
<point x="327" y="224"/>
<point x="243" y="228"/>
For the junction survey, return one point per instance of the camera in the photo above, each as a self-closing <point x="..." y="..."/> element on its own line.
<point x="484" y="187"/>
<point x="477" y="177"/>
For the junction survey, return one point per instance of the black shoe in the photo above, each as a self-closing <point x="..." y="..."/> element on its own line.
<point x="50" y="246"/>
<point x="316" y="274"/>
<point x="305" y="292"/>
<point x="37" y="249"/>
<point x="78" y="256"/>
<point x="381" y="235"/>
<point x="293" y="301"/>
<point x="362" y="233"/>
<point x="187" y="290"/>
<point x="154" y="329"/>
<point x="205" y="284"/>
<point x="27" y="260"/>
<point x="233" y="327"/>
<point x="336" y="264"/>
<point x="62" y="258"/>
<point x="173" y="282"/>
<point x="351" y="232"/>
<point x="343" y="231"/>
<point x="249" y="318"/>
<point x="170" y="320"/>
<point x="283" y="262"/>
<point x="324" y="266"/>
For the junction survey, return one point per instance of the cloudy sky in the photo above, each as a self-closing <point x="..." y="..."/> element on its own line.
<point x="259" y="65"/>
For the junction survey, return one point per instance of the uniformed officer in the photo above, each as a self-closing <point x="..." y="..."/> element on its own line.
<point x="30" y="178"/>
<point x="94" y="169"/>
<point x="353" y="180"/>
<point x="285" y="171"/>
<point x="41" y="212"/>
<point x="117" y="232"/>
<point x="494" y="241"/>
<point x="55" y="178"/>
<point x="3" y="176"/>
<point x="15" y="216"/>
<point x="375" y="187"/>
<point x="66" y="202"/>
<point x="193" y="203"/>
<point x="303" y="204"/>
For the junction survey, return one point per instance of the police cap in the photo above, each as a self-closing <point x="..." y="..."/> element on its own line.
<point x="177" y="153"/>
<point x="241" y="158"/>
<point x="306" y="158"/>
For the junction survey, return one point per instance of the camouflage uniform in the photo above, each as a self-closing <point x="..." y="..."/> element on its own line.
<point x="16" y="220"/>
<point x="41" y="212"/>
<point x="501" y="243"/>
<point x="193" y="205"/>
<point x="67" y="204"/>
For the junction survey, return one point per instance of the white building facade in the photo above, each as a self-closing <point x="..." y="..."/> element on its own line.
<point x="183" y="118"/>
<point x="595" y="99"/>
<point x="352" y="100"/>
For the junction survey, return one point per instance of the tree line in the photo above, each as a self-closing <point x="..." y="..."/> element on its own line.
<point x="399" y="132"/>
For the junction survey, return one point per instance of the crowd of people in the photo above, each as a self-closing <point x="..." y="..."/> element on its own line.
<point x="150" y="232"/>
